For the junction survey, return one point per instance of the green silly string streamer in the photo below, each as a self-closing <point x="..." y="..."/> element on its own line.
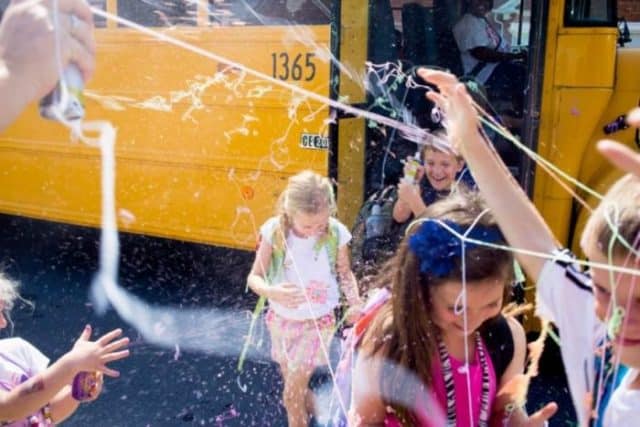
<point x="614" y="325"/>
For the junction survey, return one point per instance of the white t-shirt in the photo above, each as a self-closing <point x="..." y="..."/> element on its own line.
<point x="309" y="269"/>
<point x="471" y="32"/>
<point x="624" y="406"/>
<point x="19" y="361"/>
<point x="564" y="296"/>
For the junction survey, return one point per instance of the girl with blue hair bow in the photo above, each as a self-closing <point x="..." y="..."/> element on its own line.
<point x="439" y="344"/>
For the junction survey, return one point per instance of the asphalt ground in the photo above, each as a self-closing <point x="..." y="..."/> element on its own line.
<point x="163" y="386"/>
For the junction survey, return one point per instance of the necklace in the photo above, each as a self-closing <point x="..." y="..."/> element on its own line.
<point x="449" y="384"/>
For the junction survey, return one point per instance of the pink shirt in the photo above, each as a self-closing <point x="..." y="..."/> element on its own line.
<point x="463" y="418"/>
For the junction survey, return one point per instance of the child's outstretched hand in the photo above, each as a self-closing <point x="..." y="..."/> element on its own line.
<point x="621" y="155"/>
<point x="510" y="398"/>
<point x="541" y="417"/>
<point x="93" y="356"/>
<point x="460" y="117"/>
<point x="287" y="294"/>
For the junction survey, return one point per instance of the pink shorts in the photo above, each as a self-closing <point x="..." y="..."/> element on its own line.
<point x="297" y="343"/>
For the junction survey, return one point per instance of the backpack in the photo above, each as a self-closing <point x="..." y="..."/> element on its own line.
<point x="341" y="393"/>
<point x="366" y="250"/>
<point x="278" y="255"/>
<point x="495" y="333"/>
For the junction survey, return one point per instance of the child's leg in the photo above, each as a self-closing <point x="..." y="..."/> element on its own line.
<point x="310" y="401"/>
<point x="298" y="347"/>
<point x="296" y="387"/>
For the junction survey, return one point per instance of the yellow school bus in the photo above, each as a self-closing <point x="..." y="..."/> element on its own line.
<point x="204" y="148"/>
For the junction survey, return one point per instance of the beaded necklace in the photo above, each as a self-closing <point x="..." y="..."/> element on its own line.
<point x="449" y="384"/>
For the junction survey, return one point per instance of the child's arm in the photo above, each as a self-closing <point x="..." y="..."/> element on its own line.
<point x="63" y="405"/>
<point x="348" y="283"/>
<point x="513" y="387"/>
<point x="256" y="280"/>
<point x="401" y="211"/>
<point x="85" y="355"/>
<point x="37" y="391"/>
<point x="287" y="294"/>
<point x="520" y="222"/>
<point x="409" y="202"/>
<point x="367" y="407"/>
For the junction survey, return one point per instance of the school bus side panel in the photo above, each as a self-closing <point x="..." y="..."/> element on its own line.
<point x="354" y="30"/>
<point x="203" y="149"/>
<point x="576" y="88"/>
<point x="596" y="172"/>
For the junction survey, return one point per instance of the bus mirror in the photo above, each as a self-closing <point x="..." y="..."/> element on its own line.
<point x="624" y="35"/>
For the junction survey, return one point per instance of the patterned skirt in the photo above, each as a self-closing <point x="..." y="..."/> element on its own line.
<point x="298" y="344"/>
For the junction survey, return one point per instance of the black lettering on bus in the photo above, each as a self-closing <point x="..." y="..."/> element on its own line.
<point x="285" y="68"/>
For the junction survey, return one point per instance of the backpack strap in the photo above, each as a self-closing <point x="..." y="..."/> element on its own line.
<point x="497" y="336"/>
<point x="370" y="310"/>
<point x="277" y="261"/>
<point x="330" y="243"/>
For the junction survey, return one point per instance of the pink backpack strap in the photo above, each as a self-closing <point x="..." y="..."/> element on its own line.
<point x="369" y="312"/>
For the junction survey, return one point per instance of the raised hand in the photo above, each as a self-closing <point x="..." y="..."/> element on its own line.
<point x="29" y="40"/>
<point x="509" y="401"/>
<point x="460" y="117"/>
<point x="93" y="356"/>
<point x="619" y="154"/>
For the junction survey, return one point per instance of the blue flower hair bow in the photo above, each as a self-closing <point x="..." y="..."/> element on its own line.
<point x="437" y="248"/>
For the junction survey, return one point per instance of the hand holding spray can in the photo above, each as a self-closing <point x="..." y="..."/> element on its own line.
<point x="65" y="100"/>
<point x="411" y="168"/>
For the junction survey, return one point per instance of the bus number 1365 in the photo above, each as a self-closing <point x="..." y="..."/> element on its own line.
<point x="301" y="67"/>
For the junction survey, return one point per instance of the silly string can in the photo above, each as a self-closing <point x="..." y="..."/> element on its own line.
<point x="65" y="100"/>
<point x="411" y="168"/>
<point x="84" y="385"/>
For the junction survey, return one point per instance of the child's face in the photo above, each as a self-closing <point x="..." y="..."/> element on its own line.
<point x="310" y="225"/>
<point x="441" y="168"/>
<point x="626" y="290"/>
<point x="480" y="7"/>
<point x="484" y="300"/>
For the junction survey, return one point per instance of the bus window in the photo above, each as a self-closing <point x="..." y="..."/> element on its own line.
<point x="579" y="13"/>
<point x="513" y="19"/>
<point x="99" y="21"/>
<point x="269" y="12"/>
<point x="159" y="13"/>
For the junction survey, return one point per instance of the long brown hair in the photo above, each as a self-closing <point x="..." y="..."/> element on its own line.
<point x="404" y="331"/>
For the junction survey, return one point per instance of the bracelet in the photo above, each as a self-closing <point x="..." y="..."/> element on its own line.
<point x="46" y="414"/>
